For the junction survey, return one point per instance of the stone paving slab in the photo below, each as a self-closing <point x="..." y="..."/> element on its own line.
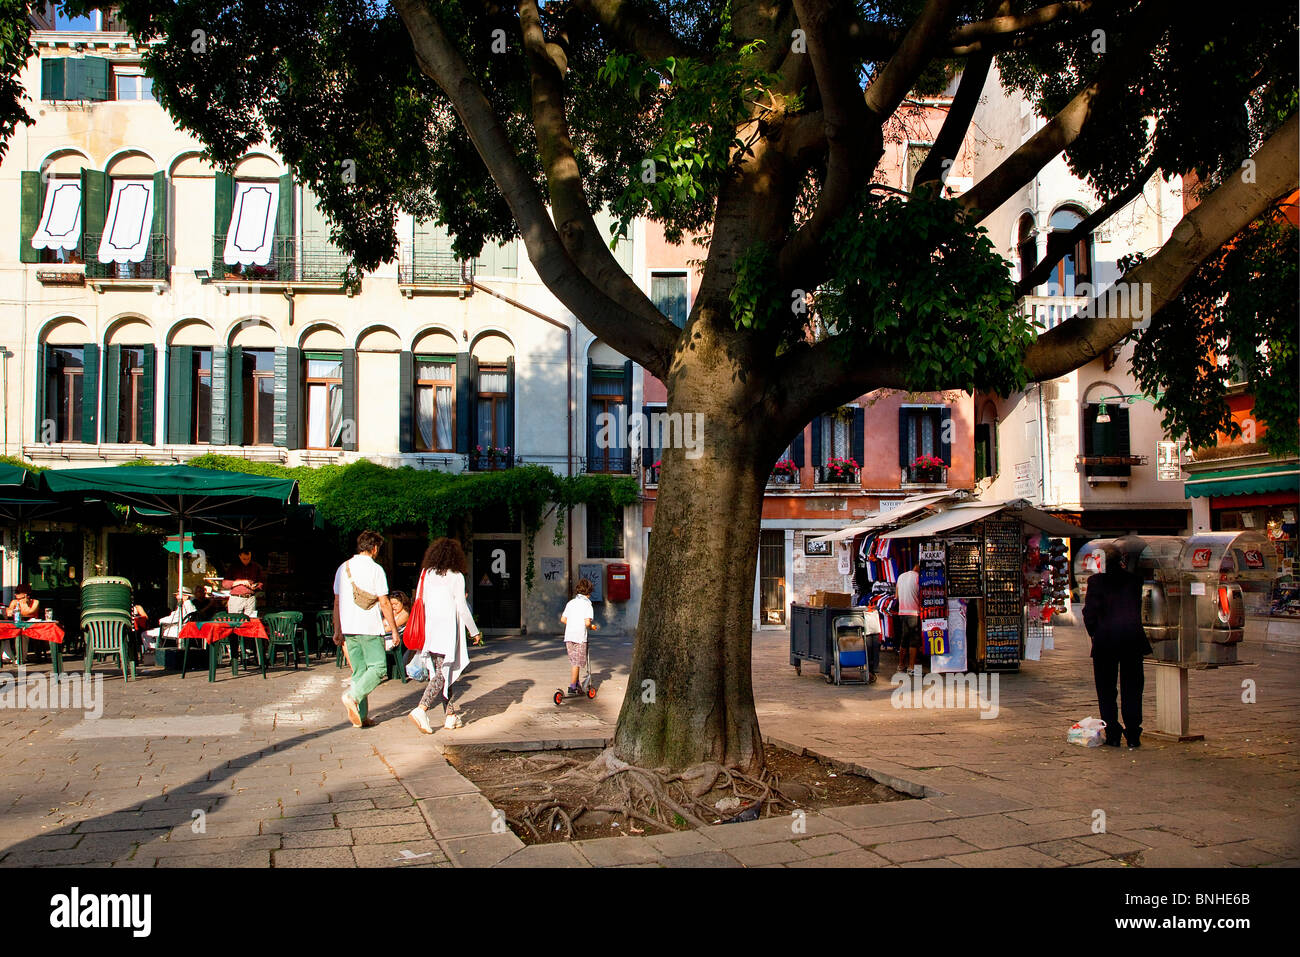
<point x="285" y="781"/>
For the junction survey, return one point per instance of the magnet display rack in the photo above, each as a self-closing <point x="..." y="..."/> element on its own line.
<point x="1003" y="603"/>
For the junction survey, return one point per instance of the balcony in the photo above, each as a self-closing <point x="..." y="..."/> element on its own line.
<point x="837" y="475"/>
<point x="490" y="460"/>
<point x="1048" y="312"/>
<point x="153" y="270"/>
<point x="292" y="262"/>
<point x="924" y="475"/>
<point x="1108" y="468"/>
<point x="421" y="269"/>
<point x="651" y="475"/>
<point x="610" y="462"/>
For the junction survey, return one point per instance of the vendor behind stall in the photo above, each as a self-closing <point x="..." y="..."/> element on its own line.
<point x="244" y="580"/>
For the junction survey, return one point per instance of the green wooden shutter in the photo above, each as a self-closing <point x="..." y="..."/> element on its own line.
<point x="349" y="400"/>
<point x="94" y="207"/>
<point x="42" y="375"/>
<point x="499" y="260"/>
<point x="796" y="450"/>
<point x="858" y="437"/>
<point x="288" y="385"/>
<point x="180" y="395"/>
<point x="53" y="72"/>
<point x="90" y="394"/>
<point x="223" y="205"/>
<point x="284" y="231"/>
<point x="818" y="460"/>
<point x="158" y="251"/>
<point x="235" y="404"/>
<point x="32" y="195"/>
<point x="88" y="78"/>
<point x="464" y="404"/>
<point x="148" y="382"/>
<point x="591" y="417"/>
<point x="626" y="451"/>
<point x="510" y="407"/>
<point x="944" y="426"/>
<point x="406" y="401"/>
<point x="220" y="396"/>
<point x="904" y="433"/>
<point x="112" y="392"/>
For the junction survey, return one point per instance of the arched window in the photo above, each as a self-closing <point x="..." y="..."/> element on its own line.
<point x="1026" y="248"/>
<point x="1075" y="267"/>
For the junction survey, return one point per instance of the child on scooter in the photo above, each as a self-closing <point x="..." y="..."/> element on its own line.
<point x="577" y="618"/>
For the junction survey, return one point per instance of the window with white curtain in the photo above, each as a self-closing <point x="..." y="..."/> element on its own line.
<point x="435" y="403"/>
<point x="837" y="437"/>
<point x="324" y="401"/>
<point x="493" y="398"/>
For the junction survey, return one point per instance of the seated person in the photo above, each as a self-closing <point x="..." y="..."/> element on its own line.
<point x="401" y="614"/>
<point x="169" y="626"/>
<point x="23" y="608"/>
<point x="205" y="606"/>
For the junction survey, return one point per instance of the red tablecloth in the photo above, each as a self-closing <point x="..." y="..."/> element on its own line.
<point x="211" y="631"/>
<point x="40" y="630"/>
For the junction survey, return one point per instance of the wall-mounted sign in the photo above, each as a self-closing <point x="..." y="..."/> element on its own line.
<point x="934" y="598"/>
<point x="816" y="548"/>
<point x="1201" y="558"/>
<point x="1254" y="558"/>
<point x="1167" y="467"/>
<point x="552" y="569"/>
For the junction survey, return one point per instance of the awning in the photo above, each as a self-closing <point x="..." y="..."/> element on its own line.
<point x="60" y="226"/>
<point x="879" y="519"/>
<point x="1049" y="523"/>
<point x="179" y="490"/>
<point x="1244" y="480"/>
<point x="130" y="217"/>
<point x="944" y="521"/>
<point x="252" y="224"/>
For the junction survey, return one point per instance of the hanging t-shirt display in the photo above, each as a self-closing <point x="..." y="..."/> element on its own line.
<point x="934" y="599"/>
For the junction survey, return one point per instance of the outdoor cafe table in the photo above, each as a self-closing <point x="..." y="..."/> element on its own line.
<point x="213" y="631"/>
<point x="48" y="631"/>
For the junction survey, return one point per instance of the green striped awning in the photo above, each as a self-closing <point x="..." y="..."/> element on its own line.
<point x="1246" y="480"/>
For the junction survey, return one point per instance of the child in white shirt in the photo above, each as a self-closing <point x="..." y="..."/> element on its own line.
<point x="577" y="618"/>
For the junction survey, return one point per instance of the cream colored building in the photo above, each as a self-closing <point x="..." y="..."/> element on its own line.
<point x="155" y="307"/>
<point x="1088" y="443"/>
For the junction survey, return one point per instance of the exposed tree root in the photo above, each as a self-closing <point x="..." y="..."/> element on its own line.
<point x="565" y="790"/>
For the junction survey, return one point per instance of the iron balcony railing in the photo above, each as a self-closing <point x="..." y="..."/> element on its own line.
<point x="291" y="260"/>
<point x="925" y="475"/>
<point x="826" y="475"/>
<point x="432" y="268"/>
<point x="153" y="266"/>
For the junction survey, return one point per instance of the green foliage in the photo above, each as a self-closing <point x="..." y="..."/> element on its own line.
<point x="15" y="460"/>
<point x="362" y="495"/>
<point x="1239" y="306"/>
<point x="919" y="284"/>
<point x="15" y="49"/>
<point x="1202" y="100"/>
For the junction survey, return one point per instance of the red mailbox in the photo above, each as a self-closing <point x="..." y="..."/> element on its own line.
<point x="618" y="581"/>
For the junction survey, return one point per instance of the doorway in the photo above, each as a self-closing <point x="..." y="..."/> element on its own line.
<point x="497" y="583"/>
<point x="771" y="576"/>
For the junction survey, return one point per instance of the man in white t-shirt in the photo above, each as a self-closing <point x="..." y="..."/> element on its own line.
<point x="363" y="628"/>
<point x="909" y="618"/>
<point x="577" y="618"/>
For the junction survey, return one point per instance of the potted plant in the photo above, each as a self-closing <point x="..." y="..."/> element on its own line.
<point x="927" y="469"/>
<point x="785" y="472"/>
<point x="841" y="469"/>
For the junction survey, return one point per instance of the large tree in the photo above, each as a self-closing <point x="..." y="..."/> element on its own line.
<point x="756" y="126"/>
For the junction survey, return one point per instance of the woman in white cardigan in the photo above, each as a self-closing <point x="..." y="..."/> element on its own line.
<point x="447" y="620"/>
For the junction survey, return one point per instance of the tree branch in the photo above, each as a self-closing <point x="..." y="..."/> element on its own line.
<point x="1200" y="234"/>
<point x="879" y="41"/>
<point x="913" y="55"/>
<point x="633" y="30"/>
<point x="1069" y="124"/>
<point x="569" y="205"/>
<point x="647" y="343"/>
<point x="1043" y="269"/>
<point x="953" y="132"/>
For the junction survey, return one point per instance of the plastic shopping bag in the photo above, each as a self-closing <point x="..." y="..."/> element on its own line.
<point x="1090" y="732"/>
<point x="418" y="667"/>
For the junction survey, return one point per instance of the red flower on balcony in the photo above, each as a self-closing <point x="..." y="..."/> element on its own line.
<point x="785" y="468"/>
<point x="927" y="462"/>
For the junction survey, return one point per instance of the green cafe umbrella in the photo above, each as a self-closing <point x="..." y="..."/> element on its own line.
<point x="185" y="492"/>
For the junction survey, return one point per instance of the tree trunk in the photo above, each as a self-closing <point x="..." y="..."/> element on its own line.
<point x="690" y="696"/>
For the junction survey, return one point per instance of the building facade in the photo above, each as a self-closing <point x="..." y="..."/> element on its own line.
<point x="1087" y="446"/>
<point x="155" y="307"/>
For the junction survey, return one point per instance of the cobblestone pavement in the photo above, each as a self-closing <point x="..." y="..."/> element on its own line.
<point x="259" y="772"/>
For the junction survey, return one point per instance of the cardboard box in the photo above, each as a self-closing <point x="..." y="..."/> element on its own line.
<point x="831" y="599"/>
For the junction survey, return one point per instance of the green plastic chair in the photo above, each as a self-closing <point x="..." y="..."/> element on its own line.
<point x="396" y="663"/>
<point x="105" y="637"/>
<point x="106" y="594"/>
<point x="285" y="630"/>
<point x="324" y="632"/>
